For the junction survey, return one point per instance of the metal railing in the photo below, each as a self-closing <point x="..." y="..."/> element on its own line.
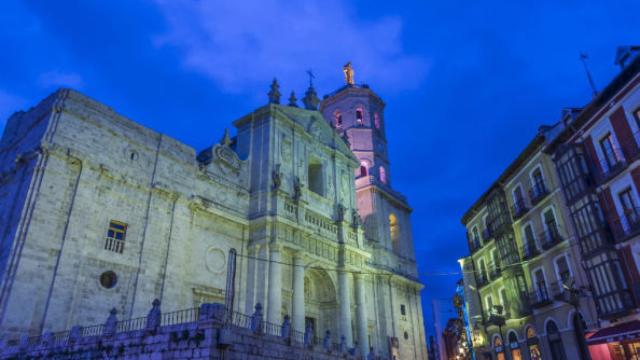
<point x="519" y="208"/>
<point x="611" y="164"/>
<point x="482" y="280"/>
<point x="235" y="319"/>
<point x="539" y="296"/>
<point x="550" y="237"/>
<point x="494" y="271"/>
<point x="627" y="225"/>
<point x="529" y="250"/>
<point x="487" y="234"/>
<point x="538" y="192"/>
<point x="113" y="244"/>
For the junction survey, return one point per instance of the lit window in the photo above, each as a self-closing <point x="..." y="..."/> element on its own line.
<point x="316" y="183"/>
<point x="383" y="175"/>
<point x="363" y="169"/>
<point x="394" y="231"/>
<point x="115" y="236"/>
<point x="359" y="116"/>
<point x="338" y="119"/>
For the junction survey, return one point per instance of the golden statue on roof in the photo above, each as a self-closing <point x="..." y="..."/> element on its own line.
<point x="348" y="73"/>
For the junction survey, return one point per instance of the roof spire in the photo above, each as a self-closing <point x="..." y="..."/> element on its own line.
<point x="310" y="99"/>
<point x="226" y="139"/>
<point x="293" y="101"/>
<point x="274" y="92"/>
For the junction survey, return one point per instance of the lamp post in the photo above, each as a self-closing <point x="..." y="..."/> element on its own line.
<point x="573" y="299"/>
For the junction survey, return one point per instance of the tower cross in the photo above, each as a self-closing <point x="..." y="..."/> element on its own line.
<point x="311" y="77"/>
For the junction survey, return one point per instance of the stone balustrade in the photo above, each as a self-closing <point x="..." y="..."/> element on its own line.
<point x="200" y="333"/>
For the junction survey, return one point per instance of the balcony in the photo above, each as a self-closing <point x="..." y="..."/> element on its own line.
<point x="487" y="234"/>
<point x="627" y="225"/>
<point x="540" y="297"/>
<point x="474" y="245"/>
<point x="550" y="238"/>
<point x="482" y="280"/>
<point x="611" y="165"/>
<point x="529" y="251"/>
<point x="495" y="271"/>
<point x="519" y="208"/>
<point x="115" y="245"/>
<point x="538" y="192"/>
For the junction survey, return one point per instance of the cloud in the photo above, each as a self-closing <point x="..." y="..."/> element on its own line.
<point x="55" y="79"/>
<point x="241" y="45"/>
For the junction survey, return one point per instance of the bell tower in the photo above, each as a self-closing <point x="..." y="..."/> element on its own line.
<point x="357" y="113"/>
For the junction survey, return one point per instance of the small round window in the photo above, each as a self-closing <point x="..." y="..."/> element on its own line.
<point x="108" y="279"/>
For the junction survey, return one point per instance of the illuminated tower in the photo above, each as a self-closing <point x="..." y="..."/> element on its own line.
<point x="358" y="114"/>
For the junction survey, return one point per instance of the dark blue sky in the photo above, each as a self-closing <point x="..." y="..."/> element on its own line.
<point x="466" y="83"/>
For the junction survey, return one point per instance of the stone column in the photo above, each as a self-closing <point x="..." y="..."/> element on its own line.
<point x="363" y="336"/>
<point x="298" y="293"/>
<point x="345" y="308"/>
<point x="275" y="286"/>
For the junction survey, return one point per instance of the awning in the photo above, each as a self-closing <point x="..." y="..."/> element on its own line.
<point x="621" y="332"/>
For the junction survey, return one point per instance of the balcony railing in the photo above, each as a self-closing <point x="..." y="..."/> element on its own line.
<point x="519" y="208"/>
<point x="611" y="164"/>
<point x="486" y="234"/>
<point x="494" y="271"/>
<point x="540" y="297"/>
<point x="538" y="192"/>
<point x="529" y="251"/>
<point x="114" y="245"/>
<point x="627" y="225"/>
<point x="550" y="237"/>
<point x="482" y="280"/>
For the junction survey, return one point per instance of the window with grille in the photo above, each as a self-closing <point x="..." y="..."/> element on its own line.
<point x="116" y="235"/>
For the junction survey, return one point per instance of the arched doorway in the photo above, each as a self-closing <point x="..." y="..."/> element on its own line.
<point x="533" y="344"/>
<point x="555" y="341"/>
<point x="499" y="348"/>
<point x="579" y="325"/>
<point x="320" y="302"/>
<point x="514" y="346"/>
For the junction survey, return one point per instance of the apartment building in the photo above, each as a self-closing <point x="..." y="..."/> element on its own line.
<point x="555" y="241"/>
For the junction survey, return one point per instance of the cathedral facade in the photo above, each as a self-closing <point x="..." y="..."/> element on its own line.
<point x="98" y="212"/>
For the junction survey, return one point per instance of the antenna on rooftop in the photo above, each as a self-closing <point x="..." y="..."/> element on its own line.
<point x="584" y="57"/>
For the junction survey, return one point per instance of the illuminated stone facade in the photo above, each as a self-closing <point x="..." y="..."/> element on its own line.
<point x="99" y="212"/>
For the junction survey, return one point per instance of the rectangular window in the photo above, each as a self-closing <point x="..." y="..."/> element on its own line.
<point x="626" y="200"/>
<point x="316" y="181"/>
<point x="116" y="235"/>
<point x="563" y="270"/>
<point x="551" y="226"/>
<point x="403" y="310"/>
<point x="538" y="180"/>
<point x="606" y="145"/>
